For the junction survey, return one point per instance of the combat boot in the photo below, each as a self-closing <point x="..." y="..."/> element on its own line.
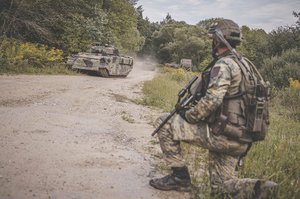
<point x="265" y="189"/>
<point x="179" y="180"/>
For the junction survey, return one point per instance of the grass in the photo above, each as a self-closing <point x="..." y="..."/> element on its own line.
<point x="27" y="69"/>
<point x="162" y="91"/>
<point x="276" y="158"/>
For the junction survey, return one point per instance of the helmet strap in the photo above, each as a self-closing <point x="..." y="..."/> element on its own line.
<point x="215" y="45"/>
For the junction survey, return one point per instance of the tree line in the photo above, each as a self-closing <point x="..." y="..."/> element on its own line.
<point x="72" y="25"/>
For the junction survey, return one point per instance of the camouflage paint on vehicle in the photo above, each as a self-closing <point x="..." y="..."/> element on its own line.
<point x="103" y="59"/>
<point x="186" y="64"/>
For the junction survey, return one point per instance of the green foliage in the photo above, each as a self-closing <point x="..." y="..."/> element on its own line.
<point x="123" y="24"/>
<point x="279" y="68"/>
<point x="277" y="157"/>
<point x="54" y="22"/>
<point x="72" y="25"/>
<point x="177" y="40"/>
<point x="146" y="29"/>
<point x="254" y="45"/>
<point x="154" y="96"/>
<point x="285" y="38"/>
<point x="80" y="32"/>
<point x="23" y="20"/>
<point x="289" y="99"/>
<point x="19" y="57"/>
<point x="162" y="90"/>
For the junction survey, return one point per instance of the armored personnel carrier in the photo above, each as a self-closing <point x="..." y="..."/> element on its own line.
<point x="186" y="64"/>
<point x="105" y="60"/>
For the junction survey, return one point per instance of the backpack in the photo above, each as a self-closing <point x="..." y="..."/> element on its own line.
<point x="255" y="96"/>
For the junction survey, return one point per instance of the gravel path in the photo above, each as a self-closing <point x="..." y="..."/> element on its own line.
<point x="76" y="137"/>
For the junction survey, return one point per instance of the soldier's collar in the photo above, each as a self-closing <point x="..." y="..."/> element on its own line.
<point x="225" y="54"/>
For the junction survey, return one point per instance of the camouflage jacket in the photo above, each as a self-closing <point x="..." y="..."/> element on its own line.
<point x="225" y="78"/>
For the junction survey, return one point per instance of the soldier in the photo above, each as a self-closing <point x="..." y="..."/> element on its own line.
<point x="222" y="80"/>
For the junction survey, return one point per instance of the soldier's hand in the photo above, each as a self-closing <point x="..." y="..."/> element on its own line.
<point x="181" y="112"/>
<point x="178" y="107"/>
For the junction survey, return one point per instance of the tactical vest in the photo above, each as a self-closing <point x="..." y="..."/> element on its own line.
<point x="236" y="107"/>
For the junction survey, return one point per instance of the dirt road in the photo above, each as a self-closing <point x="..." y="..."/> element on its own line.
<point x="76" y="137"/>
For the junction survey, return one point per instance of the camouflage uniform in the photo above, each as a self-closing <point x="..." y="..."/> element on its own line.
<point x="224" y="152"/>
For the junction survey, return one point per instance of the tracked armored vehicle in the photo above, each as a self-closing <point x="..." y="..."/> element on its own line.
<point x="105" y="60"/>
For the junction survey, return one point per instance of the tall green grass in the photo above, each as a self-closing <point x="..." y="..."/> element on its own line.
<point x="28" y="69"/>
<point x="162" y="91"/>
<point x="277" y="158"/>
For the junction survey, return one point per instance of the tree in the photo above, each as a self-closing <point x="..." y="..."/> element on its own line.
<point x="278" y="69"/>
<point x="123" y="24"/>
<point x="285" y="38"/>
<point x="254" y="44"/>
<point x="80" y="32"/>
<point x="167" y="20"/>
<point x="22" y="19"/>
<point x="51" y="22"/>
<point x="133" y="2"/>
<point x="146" y="29"/>
<point x="177" y="40"/>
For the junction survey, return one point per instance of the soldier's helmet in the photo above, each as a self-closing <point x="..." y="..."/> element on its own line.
<point x="230" y="30"/>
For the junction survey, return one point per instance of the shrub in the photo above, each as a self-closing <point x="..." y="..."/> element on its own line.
<point x="19" y="57"/>
<point x="289" y="99"/>
<point x="279" y="68"/>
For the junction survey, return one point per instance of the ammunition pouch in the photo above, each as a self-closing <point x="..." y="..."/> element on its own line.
<point x="229" y="121"/>
<point x="237" y="133"/>
<point x="221" y="126"/>
<point x="218" y="126"/>
<point x="258" y="113"/>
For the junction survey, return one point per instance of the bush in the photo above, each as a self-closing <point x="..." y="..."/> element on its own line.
<point x="19" y="57"/>
<point x="289" y="99"/>
<point x="279" y="68"/>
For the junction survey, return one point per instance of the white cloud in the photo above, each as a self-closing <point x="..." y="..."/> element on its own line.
<point x="174" y="7"/>
<point x="266" y="14"/>
<point x="194" y="2"/>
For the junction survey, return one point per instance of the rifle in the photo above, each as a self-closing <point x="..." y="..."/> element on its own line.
<point x="181" y="103"/>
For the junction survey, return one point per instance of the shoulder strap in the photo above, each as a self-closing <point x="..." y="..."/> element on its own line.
<point x="211" y="64"/>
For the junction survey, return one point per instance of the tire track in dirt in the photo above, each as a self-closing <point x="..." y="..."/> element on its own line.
<point x="76" y="137"/>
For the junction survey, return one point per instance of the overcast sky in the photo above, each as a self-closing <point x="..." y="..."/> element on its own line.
<point x="265" y="14"/>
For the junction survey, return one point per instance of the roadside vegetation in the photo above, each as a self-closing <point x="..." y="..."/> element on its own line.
<point x="277" y="158"/>
<point x="18" y="57"/>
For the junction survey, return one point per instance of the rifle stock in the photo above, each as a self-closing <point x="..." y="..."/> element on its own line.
<point x="164" y="122"/>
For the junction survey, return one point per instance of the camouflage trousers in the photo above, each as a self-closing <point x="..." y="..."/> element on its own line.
<point x="223" y="155"/>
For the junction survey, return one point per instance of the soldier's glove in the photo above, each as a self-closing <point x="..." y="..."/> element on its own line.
<point x="179" y="107"/>
<point x="181" y="112"/>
